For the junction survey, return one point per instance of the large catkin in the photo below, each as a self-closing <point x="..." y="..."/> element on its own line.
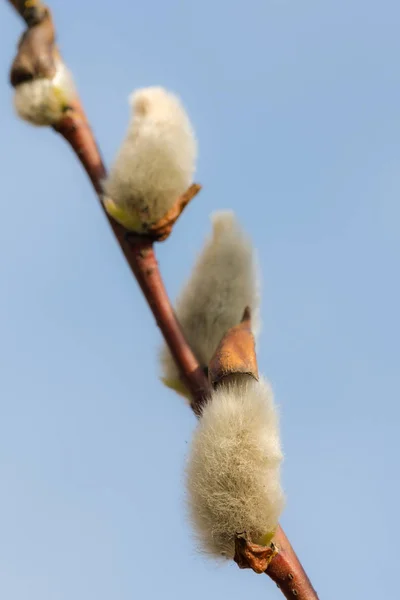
<point x="233" y="472"/>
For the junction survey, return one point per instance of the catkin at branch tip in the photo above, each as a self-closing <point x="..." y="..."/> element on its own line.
<point x="43" y="101"/>
<point x="223" y="283"/>
<point x="233" y="472"/>
<point x="156" y="161"/>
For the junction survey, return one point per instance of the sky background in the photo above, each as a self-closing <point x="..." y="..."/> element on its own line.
<point x="296" y="107"/>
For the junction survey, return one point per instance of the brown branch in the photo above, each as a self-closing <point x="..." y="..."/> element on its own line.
<point x="287" y="572"/>
<point x="282" y="563"/>
<point x="284" y="567"/>
<point x="75" y="129"/>
<point x="145" y="268"/>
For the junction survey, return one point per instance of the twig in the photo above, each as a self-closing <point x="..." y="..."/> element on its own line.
<point x="283" y="566"/>
<point x="145" y="268"/>
<point x="75" y="129"/>
<point x="287" y="572"/>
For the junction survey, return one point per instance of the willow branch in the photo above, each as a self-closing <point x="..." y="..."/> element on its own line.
<point x="283" y="565"/>
<point x="287" y="572"/>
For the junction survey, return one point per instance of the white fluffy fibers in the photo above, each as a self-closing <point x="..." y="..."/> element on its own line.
<point x="224" y="281"/>
<point x="156" y="161"/>
<point x="43" y="101"/>
<point x="233" y="474"/>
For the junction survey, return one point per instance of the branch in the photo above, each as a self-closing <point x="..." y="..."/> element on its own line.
<point x="283" y="565"/>
<point x="287" y="572"/>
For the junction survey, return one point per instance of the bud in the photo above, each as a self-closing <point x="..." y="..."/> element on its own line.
<point x="43" y="101"/>
<point x="223" y="283"/>
<point x="233" y="473"/>
<point x="235" y="355"/>
<point x="155" y="164"/>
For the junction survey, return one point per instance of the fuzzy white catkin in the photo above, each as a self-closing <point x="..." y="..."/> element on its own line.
<point x="224" y="281"/>
<point x="156" y="162"/>
<point x="233" y="472"/>
<point x="43" y="101"/>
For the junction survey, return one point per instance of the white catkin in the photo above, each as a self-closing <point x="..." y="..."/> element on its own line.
<point x="233" y="472"/>
<point x="156" y="161"/>
<point x="43" y="101"/>
<point x="224" y="281"/>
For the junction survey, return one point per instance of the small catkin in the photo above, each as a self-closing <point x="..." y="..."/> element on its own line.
<point x="156" y="162"/>
<point x="233" y="472"/>
<point x="223" y="283"/>
<point x="43" y="101"/>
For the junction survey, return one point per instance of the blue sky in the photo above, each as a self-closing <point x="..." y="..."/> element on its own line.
<point x="296" y="107"/>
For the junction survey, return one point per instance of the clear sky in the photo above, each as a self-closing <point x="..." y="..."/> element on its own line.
<point x="296" y="107"/>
